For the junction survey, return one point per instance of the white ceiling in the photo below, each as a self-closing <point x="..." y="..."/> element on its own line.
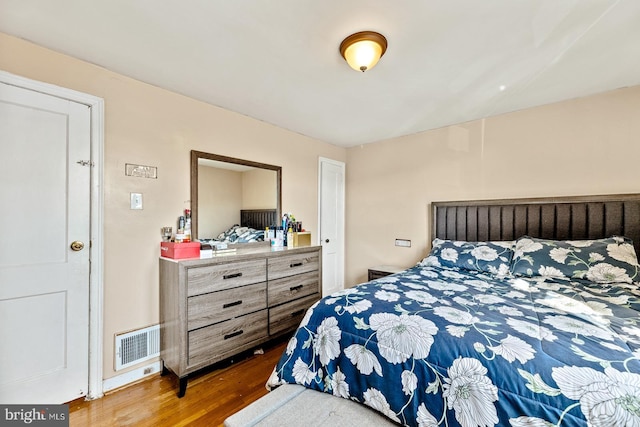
<point x="278" y="60"/>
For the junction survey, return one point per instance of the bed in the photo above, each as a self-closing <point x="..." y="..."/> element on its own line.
<point x="524" y="313"/>
<point x="251" y="228"/>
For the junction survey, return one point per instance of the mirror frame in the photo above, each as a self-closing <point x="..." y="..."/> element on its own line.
<point x="196" y="155"/>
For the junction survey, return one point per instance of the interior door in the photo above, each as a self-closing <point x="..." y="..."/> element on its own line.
<point x="332" y="224"/>
<point x="44" y="282"/>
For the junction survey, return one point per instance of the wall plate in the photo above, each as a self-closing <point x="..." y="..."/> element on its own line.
<point x="136" y="200"/>
<point x="404" y="243"/>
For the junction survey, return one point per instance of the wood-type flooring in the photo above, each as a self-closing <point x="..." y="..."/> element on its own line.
<point x="211" y="396"/>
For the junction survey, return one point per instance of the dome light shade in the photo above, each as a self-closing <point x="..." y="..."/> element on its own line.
<point x="363" y="50"/>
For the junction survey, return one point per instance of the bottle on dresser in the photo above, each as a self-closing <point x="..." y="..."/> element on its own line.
<point x="180" y="230"/>
<point x="290" y="238"/>
<point x="271" y="235"/>
<point x="279" y="240"/>
<point x="187" y="225"/>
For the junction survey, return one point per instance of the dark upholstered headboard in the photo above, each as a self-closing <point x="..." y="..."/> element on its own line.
<point x="558" y="218"/>
<point x="258" y="218"/>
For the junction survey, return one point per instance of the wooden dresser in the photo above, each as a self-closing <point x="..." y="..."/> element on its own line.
<point x="212" y="309"/>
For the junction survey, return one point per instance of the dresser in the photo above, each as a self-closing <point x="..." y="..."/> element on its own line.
<point x="212" y="309"/>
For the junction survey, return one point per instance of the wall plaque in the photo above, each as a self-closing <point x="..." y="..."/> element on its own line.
<point x="141" y="171"/>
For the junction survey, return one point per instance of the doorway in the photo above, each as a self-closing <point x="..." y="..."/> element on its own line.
<point x="51" y="205"/>
<point x="331" y="210"/>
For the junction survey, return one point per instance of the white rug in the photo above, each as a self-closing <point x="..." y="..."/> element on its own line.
<point x="295" y="405"/>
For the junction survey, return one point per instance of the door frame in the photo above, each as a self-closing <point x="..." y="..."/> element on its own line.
<point x="96" y="254"/>
<point x="341" y="227"/>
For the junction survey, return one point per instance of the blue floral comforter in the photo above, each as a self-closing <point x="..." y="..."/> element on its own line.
<point x="443" y="347"/>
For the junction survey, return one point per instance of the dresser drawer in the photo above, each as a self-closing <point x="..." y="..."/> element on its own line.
<point x="288" y="316"/>
<point x="225" y="276"/>
<point x="207" y="309"/>
<point x="292" y="264"/>
<point x="293" y="287"/>
<point x="217" y="341"/>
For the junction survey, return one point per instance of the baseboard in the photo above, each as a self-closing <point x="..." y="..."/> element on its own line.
<point x="130" y="376"/>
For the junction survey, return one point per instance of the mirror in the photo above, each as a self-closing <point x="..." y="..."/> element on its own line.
<point x="227" y="191"/>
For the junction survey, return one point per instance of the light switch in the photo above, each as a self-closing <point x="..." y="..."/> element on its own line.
<point x="136" y="200"/>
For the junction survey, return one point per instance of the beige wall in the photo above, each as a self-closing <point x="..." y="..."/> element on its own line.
<point x="151" y="126"/>
<point x="259" y="189"/>
<point x="219" y="200"/>
<point x="584" y="146"/>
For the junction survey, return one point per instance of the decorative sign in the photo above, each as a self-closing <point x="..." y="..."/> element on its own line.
<point x="141" y="171"/>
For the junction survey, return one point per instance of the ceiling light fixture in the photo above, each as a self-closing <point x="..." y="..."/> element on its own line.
<point x="363" y="50"/>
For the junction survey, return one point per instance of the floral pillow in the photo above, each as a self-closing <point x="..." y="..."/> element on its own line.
<point x="490" y="257"/>
<point x="609" y="260"/>
<point x="238" y="234"/>
<point x="228" y="235"/>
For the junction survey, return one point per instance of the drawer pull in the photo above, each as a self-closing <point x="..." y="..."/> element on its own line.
<point x="233" y="334"/>
<point x="295" y="264"/>
<point x="295" y="288"/>
<point x="231" y="304"/>
<point x="297" y="313"/>
<point x="231" y="276"/>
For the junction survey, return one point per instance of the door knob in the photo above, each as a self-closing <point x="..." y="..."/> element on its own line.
<point x="77" y="246"/>
<point x="326" y="241"/>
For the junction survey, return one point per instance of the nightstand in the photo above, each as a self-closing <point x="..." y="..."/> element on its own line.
<point x="383" y="270"/>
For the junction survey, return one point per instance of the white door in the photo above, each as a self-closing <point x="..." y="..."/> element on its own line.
<point x="331" y="223"/>
<point x="44" y="284"/>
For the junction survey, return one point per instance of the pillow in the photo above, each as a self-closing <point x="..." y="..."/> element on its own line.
<point x="608" y="260"/>
<point x="227" y="234"/>
<point x="241" y="234"/>
<point x="249" y="235"/>
<point x="490" y="257"/>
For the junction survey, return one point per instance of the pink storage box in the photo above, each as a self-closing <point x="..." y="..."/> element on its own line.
<point x="180" y="250"/>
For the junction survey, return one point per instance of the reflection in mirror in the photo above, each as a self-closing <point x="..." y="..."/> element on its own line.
<point x="226" y="191"/>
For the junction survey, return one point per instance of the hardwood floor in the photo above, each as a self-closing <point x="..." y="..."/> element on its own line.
<point x="211" y="396"/>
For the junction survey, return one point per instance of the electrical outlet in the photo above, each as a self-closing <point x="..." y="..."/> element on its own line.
<point x="136" y="200"/>
<point x="403" y="243"/>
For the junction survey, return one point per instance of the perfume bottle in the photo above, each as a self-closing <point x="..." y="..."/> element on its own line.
<point x="187" y="225"/>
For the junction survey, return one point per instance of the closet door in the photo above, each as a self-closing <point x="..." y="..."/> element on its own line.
<point x="331" y="223"/>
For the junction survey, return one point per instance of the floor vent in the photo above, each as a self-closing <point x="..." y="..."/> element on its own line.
<point x="137" y="346"/>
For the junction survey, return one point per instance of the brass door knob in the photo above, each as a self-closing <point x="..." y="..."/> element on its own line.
<point x="77" y="246"/>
